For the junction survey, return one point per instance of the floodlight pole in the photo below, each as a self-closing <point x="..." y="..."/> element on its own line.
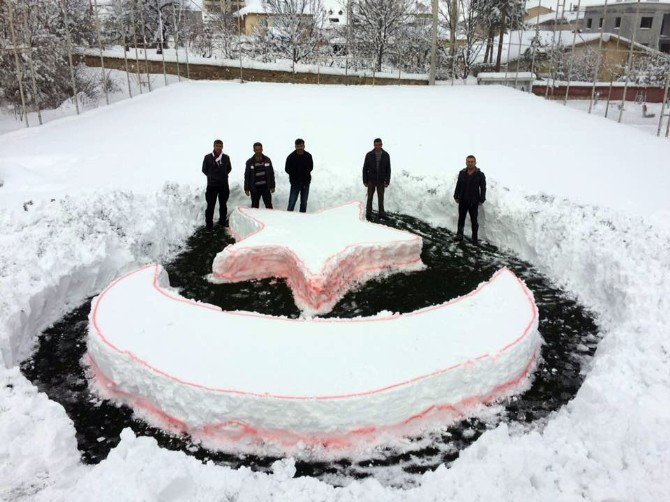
<point x="665" y="98"/>
<point x="68" y="42"/>
<point x="553" y="46"/>
<point x="19" y="72"/>
<point x="144" y="39"/>
<point x="29" y="46"/>
<point x="137" y="58"/>
<point x="433" y="45"/>
<point x="102" y="60"/>
<point x="572" y="54"/>
<point x="176" y="40"/>
<point x="600" y="48"/>
<point x="630" y="60"/>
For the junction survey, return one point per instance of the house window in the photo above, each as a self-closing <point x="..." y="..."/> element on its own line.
<point x="589" y="23"/>
<point x="645" y="22"/>
<point x="617" y="22"/>
<point x="600" y="23"/>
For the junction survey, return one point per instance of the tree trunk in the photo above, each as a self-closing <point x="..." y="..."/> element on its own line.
<point x="489" y="47"/>
<point x="500" y="41"/>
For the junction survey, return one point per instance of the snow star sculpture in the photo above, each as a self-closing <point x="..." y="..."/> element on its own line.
<point x="321" y="255"/>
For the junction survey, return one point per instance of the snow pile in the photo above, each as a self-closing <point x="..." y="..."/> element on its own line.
<point x="185" y="365"/>
<point x="55" y="254"/>
<point x="322" y="255"/>
<point x="566" y="192"/>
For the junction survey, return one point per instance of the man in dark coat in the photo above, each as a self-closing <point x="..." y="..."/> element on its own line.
<point x="469" y="194"/>
<point x="216" y="166"/>
<point x="259" y="178"/>
<point x="299" y="166"/>
<point x="376" y="176"/>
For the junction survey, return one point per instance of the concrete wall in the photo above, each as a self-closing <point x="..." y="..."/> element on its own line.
<point x="220" y="72"/>
<point x="652" y="94"/>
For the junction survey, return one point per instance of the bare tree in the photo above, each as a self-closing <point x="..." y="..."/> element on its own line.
<point x="466" y="23"/>
<point x="376" y="24"/>
<point x="410" y="50"/>
<point x="294" y="28"/>
<point x="41" y="39"/>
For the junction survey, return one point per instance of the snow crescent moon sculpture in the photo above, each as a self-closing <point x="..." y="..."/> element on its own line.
<point x="321" y="255"/>
<point x="226" y="377"/>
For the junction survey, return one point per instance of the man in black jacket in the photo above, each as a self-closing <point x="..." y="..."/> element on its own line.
<point x="216" y="166"/>
<point x="299" y="166"/>
<point x="376" y="176"/>
<point x="259" y="178"/>
<point x="469" y="194"/>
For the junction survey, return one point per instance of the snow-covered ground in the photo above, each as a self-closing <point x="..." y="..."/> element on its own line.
<point x="9" y="121"/>
<point x="632" y="114"/>
<point x="585" y="200"/>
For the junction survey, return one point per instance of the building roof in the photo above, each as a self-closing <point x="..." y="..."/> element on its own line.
<point x="633" y="2"/>
<point x="550" y="17"/>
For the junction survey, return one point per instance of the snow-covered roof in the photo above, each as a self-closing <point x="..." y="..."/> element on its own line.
<point x="522" y="75"/>
<point x="260" y="7"/>
<point x="618" y="2"/>
<point x="550" y="17"/>
<point x="590" y="3"/>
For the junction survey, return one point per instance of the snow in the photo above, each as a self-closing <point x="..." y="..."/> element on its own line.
<point x="321" y="269"/>
<point x="381" y="373"/>
<point x="583" y="199"/>
<point x="633" y="113"/>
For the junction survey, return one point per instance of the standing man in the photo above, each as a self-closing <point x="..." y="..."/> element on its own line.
<point x="376" y="176"/>
<point x="216" y="166"/>
<point x="259" y="178"/>
<point x="299" y="165"/>
<point x="469" y="194"/>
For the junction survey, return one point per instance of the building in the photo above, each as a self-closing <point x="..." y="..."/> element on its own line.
<point x="222" y="6"/>
<point x="614" y="51"/>
<point x="648" y="22"/>
<point x="534" y="12"/>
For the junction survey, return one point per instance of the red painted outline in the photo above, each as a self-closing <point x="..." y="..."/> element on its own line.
<point x="221" y="433"/>
<point x="479" y="288"/>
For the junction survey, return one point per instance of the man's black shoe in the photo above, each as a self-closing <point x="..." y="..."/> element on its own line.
<point x="368" y="216"/>
<point x="475" y="241"/>
<point x="459" y="237"/>
<point x="384" y="216"/>
<point x="223" y="223"/>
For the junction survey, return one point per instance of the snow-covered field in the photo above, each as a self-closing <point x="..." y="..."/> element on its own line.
<point x="9" y="121"/>
<point x="84" y="199"/>
<point x="633" y="113"/>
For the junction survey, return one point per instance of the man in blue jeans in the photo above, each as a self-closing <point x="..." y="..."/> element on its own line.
<point x="470" y="193"/>
<point x="299" y="166"/>
<point x="216" y="166"/>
